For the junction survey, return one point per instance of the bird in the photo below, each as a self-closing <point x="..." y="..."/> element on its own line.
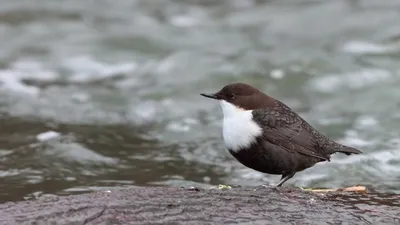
<point x="266" y="135"/>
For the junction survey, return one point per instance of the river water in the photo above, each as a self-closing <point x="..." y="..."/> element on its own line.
<point x="102" y="94"/>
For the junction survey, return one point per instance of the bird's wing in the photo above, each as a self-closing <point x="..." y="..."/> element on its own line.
<point x="286" y="129"/>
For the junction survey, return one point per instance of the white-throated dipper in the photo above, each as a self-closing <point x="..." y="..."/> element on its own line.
<point x="264" y="134"/>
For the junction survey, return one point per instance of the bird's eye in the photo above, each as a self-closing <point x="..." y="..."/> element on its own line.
<point x="231" y="96"/>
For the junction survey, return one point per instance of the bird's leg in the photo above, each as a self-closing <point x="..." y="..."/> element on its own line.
<point x="284" y="178"/>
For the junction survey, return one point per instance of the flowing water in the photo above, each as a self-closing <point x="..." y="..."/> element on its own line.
<point x="101" y="93"/>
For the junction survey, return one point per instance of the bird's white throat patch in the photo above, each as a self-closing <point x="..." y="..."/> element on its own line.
<point x="239" y="130"/>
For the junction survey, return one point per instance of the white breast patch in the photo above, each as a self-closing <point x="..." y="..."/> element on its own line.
<point x="239" y="130"/>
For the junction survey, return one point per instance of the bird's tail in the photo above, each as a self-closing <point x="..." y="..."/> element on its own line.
<point x="347" y="150"/>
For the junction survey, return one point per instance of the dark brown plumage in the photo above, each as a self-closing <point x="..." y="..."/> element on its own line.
<point x="286" y="144"/>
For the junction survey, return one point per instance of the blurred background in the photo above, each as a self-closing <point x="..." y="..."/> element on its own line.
<point x="99" y="94"/>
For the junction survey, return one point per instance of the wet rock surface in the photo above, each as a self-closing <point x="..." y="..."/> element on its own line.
<point x="168" y="205"/>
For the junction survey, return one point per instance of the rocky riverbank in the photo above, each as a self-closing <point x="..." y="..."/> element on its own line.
<point x="169" y="205"/>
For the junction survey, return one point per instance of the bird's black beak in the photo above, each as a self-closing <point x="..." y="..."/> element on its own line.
<point x="214" y="96"/>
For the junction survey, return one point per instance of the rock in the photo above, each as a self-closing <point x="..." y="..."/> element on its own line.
<point x="169" y="205"/>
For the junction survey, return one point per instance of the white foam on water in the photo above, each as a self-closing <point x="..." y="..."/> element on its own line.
<point x="21" y="83"/>
<point x="351" y="80"/>
<point x="16" y="172"/>
<point x="353" y="138"/>
<point x="182" y="125"/>
<point x="4" y="152"/>
<point x="29" y="69"/>
<point x="82" y="69"/>
<point x="366" y="121"/>
<point x="247" y="173"/>
<point x="85" y="69"/>
<point x="12" y="78"/>
<point x="178" y="127"/>
<point x="10" y="81"/>
<point x="379" y="164"/>
<point x="144" y="111"/>
<point x="277" y="74"/>
<point x="48" y="135"/>
<point x="184" y="21"/>
<point x="80" y="97"/>
<point x="378" y="160"/>
<point x="331" y="121"/>
<point x="364" y="47"/>
<point x="72" y="151"/>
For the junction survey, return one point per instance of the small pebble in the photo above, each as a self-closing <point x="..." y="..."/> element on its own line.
<point x="312" y="200"/>
<point x="193" y="189"/>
